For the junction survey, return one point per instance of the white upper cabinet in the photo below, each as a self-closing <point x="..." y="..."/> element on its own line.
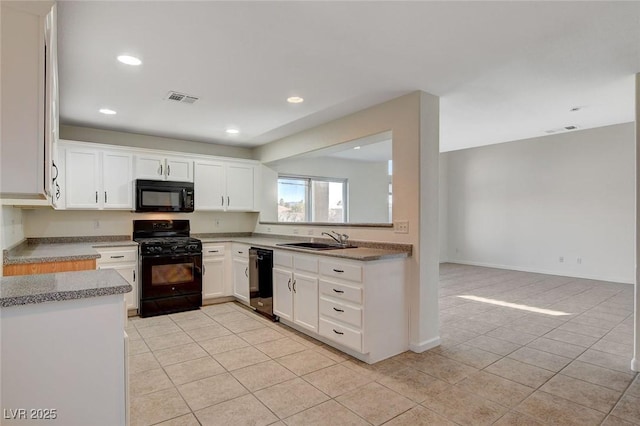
<point x="209" y="185"/>
<point x="159" y="167"/>
<point x="117" y="178"/>
<point x="81" y="178"/>
<point x="28" y="116"/>
<point x="240" y="186"/>
<point x="96" y="178"/>
<point x="227" y="186"/>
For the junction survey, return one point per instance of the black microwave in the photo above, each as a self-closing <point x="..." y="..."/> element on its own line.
<point x="163" y="196"/>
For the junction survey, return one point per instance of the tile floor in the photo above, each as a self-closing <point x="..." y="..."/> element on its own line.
<point x="559" y="354"/>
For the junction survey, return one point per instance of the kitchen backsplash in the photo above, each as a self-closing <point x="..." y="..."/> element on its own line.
<point x="40" y="223"/>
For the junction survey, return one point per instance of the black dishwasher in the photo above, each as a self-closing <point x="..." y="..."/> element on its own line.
<point x="261" y="281"/>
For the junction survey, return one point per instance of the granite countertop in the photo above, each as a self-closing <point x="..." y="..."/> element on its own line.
<point x="30" y="289"/>
<point x="39" y="250"/>
<point x="364" y="251"/>
<point x="59" y="250"/>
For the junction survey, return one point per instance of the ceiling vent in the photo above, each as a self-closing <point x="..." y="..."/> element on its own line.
<point x="181" y="97"/>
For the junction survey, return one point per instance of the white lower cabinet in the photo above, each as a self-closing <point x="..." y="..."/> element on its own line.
<point x="240" y="262"/>
<point x="125" y="261"/>
<point x="357" y="307"/>
<point x="295" y="291"/>
<point x="213" y="271"/>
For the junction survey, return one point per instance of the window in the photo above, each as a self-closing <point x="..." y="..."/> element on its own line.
<point x="312" y="199"/>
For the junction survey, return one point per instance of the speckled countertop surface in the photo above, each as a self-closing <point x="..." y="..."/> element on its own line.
<point x="64" y="249"/>
<point x="30" y="289"/>
<point x="58" y="250"/>
<point x="365" y="251"/>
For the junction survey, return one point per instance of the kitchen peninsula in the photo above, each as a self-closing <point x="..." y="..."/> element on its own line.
<point x="64" y="329"/>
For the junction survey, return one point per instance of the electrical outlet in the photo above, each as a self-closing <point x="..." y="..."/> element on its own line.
<point x="96" y="224"/>
<point x="268" y="229"/>
<point x="579" y="261"/>
<point x="561" y="259"/>
<point x="216" y="222"/>
<point x="309" y="231"/>
<point x="296" y="231"/>
<point x="401" y="226"/>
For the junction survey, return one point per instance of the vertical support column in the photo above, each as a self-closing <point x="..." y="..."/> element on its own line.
<point x="424" y="306"/>
<point x="635" y="362"/>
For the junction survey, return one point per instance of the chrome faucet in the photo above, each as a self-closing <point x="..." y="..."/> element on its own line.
<point x="341" y="239"/>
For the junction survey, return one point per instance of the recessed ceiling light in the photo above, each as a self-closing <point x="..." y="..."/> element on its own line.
<point x="295" y="100"/>
<point x="107" y="111"/>
<point x="129" y="60"/>
<point x="232" y="131"/>
<point x="356" y="147"/>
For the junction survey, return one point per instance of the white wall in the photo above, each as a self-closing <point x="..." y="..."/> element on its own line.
<point x="523" y="205"/>
<point x="110" y="137"/>
<point x="368" y="184"/>
<point x="413" y="121"/>
<point x="444" y="203"/>
<point x="72" y="223"/>
<point x="12" y="226"/>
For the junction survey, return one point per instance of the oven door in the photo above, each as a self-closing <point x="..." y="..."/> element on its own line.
<point x="171" y="275"/>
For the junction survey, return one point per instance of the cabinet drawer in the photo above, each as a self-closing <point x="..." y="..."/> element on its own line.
<point x="305" y="263"/>
<point x="283" y="259"/>
<point x="210" y="250"/>
<point x="240" y="250"/>
<point x="119" y="256"/>
<point x="341" y="291"/>
<point x="341" y="312"/>
<point x="342" y="270"/>
<point x="341" y="334"/>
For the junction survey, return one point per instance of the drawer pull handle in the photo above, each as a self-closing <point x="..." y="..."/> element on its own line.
<point x="294" y="286"/>
<point x="213" y="251"/>
<point x="240" y="252"/>
<point x="338" y="310"/>
<point x="117" y="257"/>
<point x="338" y="291"/>
<point x="338" y="270"/>
<point x="337" y="332"/>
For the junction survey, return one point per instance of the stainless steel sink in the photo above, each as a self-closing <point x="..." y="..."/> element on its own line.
<point x="315" y="246"/>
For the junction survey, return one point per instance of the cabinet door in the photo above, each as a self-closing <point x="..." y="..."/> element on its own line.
<point x="24" y="147"/>
<point x="117" y="180"/>
<point x="81" y="178"/>
<point x="241" y="279"/>
<point x="282" y="293"/>
<point x="179" y="169"/>
<point x="240" y="186"/>
<point x="129" y="273"/>
<point x="213" y="277"/>
<point x="209" y="186"/>
<point x="305" y="301"/>
<point x="150" y="167"/>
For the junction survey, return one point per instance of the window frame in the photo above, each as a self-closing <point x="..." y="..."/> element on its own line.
<point x="309" y="195"/>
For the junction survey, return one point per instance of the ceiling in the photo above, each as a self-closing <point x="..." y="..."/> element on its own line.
<point x="504" y="71"/>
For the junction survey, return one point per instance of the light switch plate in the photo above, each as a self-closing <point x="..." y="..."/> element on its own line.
<point x="401" y="226"/>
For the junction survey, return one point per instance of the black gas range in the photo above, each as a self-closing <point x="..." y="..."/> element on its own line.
<point x="170" y="267"/>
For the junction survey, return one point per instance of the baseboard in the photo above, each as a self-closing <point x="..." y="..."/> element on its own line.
<point x="618" y="280"/>
<point x="425" y="346"/>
